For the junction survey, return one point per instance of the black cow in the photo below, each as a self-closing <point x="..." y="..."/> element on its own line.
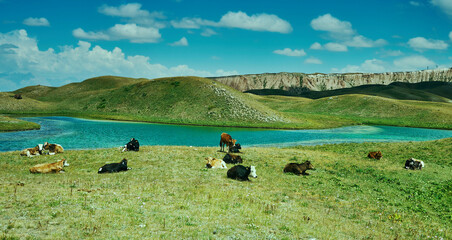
<point x="414" y="164"/>
<point x="241" y="173"/>
<point x="231" y="158"/>
<point x="133" y="145"/>
<point x="114" y="167"/>
<point x="235" y="148"/>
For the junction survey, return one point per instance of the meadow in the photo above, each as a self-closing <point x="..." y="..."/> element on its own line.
<point x="169" y="194"/>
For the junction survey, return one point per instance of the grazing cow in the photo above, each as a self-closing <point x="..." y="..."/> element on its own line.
<point x="414" y="164"/>
<point x="236" y="148"/>
<point x="232" y="158"/>
<point x="133" y="145"/>
<point x="241" y="173"/>
<point x="17" y="96"/>
<point x="114" y="167"/>
<point x="50" y="167"/>
<point x="215" y="163"/>
<point x="298" y="169"/>
<point x="226" y="139"/>
<point x="53" y="148"/>
<point x="30" y="152"/>
<point x="375" y="155"/>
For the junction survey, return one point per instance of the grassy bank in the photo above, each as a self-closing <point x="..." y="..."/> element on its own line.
<point x="13" y="124"/>
<point x="170" y="195"/>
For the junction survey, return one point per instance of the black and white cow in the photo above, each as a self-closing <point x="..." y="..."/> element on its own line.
<point x="236" y="148"/>
<point x="414" y="164"/>
<point x="133" y="145"/>
<point x="241" y="173"/>
<point x="114" y="167"/>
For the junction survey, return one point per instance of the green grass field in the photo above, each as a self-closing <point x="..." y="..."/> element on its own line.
<point x="169" y="194"/>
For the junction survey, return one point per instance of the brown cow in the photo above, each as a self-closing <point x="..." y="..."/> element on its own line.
<point x="50" y="167"/>
<point x="298" y="169"/>
<point x="53" y="148"/>
<point x="226" y="139"/>
<point x="30" y="152"/>
<point x="375" y="155"/>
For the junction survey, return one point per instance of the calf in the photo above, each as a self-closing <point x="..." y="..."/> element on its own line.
<point x="133" y="145"/>
<point x="215" y="163"/>
<point x="231" y="158"/>
<point x="30" y="152"/>
<point x="236" y="148"/>
<point x="298" y="169"/>
<point x="414" y="164"/>
<point x="375" y="155"/>
<point x="50" y="167"/>
<point x="241" y="173"/>
<point x="114" y="167"/>
<point x="53" y="148"/>
<point x="226" y="139"/>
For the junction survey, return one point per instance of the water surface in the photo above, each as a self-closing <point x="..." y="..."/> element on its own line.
<point x="75" y="133"/>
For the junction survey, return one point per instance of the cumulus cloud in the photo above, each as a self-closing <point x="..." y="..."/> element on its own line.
<point x="335" y="47"/>
<point x="290" y="52"/>
<point x="134" y="14"/>
<point x="420" y="43"/>
<point x="208" y="32"/>
<point x="414" y="3"/>
<point x="258" y="22"/>
<point x="36" y="22"/>
<point x="131" y="32"/>
<point x="22" y="63"/>
<point x="445" y="5"/>
<point x="182" y="42"/>
<point x="316" y="46"/>
<point x="313" y="60"/>
<point x="450" y="35"/>
<point x="343" y="33"/>
<point x="368" y="66"/>
<point x="412" y="63"/>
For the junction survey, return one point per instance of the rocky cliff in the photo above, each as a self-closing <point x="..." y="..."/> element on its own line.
<point x="321" y="82"/>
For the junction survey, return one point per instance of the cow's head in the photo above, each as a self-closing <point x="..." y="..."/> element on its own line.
<point x="65" y="164"/>
<point x="308" y="165"/>
<point x="124" y="162"/>
<point x="40" y="147"/>
<point x="253" y="171"/>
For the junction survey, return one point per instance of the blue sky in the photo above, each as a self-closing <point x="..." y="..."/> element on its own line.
<point x="53" y="43"/>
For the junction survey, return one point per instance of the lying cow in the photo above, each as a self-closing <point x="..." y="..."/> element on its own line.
<point x="215" y="163"/>
<point x="236" y="148"/>
<point x="414" y="164"/>
<point x="375" y="155"/>
<point x="50" y="167"/>
<point x="30" y="152"/>
<point x="53" y="148"/>
<point x="226" y="139"/>
<point x="133" y="145"/>
<point x="241" y="173"/>
<point x="298" y="169"/>
<point x="114" y="167"/>
<point x="232" y="158"/>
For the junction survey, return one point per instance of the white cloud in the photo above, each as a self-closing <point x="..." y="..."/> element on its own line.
<point x="24" y="64"/>
<point x="368" y="66"/>
<point x="290" y="52"/>
<point x="36" y="22"/>
<point x="131" y="32"/>
<point x="450" y="35"/>
<point x="334" y="26"/>
<point x="445" y="5"/>
<point x="316" y="46"/>
<point x="361" y="41"/>
<point x="258" y="22"/>
<point x="420" y="43"/>
<point x="335" y="47"/>
<point x="134" y="14"/>
<point x="208" y="32"/>
<point x="182" y="42"/>
<point x="343" y="33"/>
<point x="412" y="63"/>
<point x="313" y="60"/>
<point x="390" y="53"/>
<point x="414" y="3"/>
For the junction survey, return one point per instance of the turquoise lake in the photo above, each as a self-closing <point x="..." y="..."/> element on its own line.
<point x="75" y="133"/>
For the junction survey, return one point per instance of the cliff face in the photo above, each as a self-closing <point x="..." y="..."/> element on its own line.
<point x="321" y="82"/>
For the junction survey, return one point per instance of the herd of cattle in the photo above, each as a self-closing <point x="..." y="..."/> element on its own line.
<point x="238" y="172"/>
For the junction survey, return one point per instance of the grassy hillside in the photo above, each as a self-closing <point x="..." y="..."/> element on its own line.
<point x="348" y="196"/>
<point x="424" y="91"/>
<point x="362" y="109"/>
<point x="201" y="101"/>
